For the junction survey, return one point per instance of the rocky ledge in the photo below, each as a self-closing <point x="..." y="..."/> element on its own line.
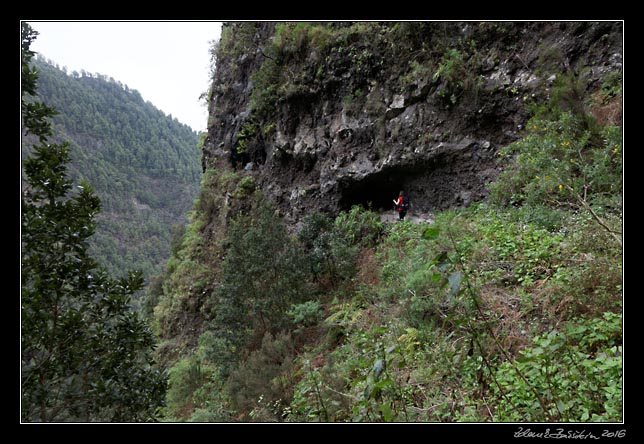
<point x="326" y="116"/>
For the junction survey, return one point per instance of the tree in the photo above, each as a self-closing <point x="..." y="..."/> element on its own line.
<point x="265" y="274"/>
<point x="86" y="356"/>
<point x="34" y="113"/>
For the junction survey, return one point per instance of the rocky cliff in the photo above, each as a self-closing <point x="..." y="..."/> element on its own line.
<point x="323" y="116"/>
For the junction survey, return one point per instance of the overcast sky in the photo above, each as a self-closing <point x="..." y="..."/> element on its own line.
<point x="167" y="62"/>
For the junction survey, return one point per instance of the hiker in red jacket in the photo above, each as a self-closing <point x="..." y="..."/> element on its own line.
<point x="402" y="205"/>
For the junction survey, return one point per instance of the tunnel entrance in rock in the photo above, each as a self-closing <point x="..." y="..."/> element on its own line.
<point x="376" y="191"/>
<point x="443" y="182"/>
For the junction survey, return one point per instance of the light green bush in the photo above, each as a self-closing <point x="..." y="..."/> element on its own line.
<point x="572" y="375"/>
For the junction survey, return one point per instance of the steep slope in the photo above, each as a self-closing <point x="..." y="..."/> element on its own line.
<point x="286" y="300"/>
<point x="143" y="164"/>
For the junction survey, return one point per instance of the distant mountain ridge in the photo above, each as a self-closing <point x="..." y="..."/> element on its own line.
<point x="144" y="165"/>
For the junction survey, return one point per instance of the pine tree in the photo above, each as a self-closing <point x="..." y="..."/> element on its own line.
<point x="86" y="356"/>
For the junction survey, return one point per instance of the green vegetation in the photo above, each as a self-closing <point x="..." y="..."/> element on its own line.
<point x="417" y="71"/>
<point x="452" y="70"/>
<point x="143" y="164"/>
<point x="85" y="355"/>
<point x="480" y="316"/>
<point x="309" y="49"/>
<point x="452" y="305"/>
<point x="508" y="310"/>
<point x="579" y="385"/>
<point x="562" y="163"/>
<point x="612" y="85"/>
<point x="263" y="277"/>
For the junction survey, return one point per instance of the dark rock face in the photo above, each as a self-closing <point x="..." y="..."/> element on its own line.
<point x="422" y="107"/>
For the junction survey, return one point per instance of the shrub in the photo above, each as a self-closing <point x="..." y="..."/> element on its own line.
<point x="534" y="253"/>
<point x="294" y="38"/>
<point x="317" y="236"/>
<point x="359" y="226"/>
<point x="542" y="216"/>
<point x="266" y="81"/>
<point x="333" y="246"/>
<point x="214" y="183"/>
<point x="417" y="72"/>
<point x="184" y="378"/>
<point x="612" y="84"/>
<point x="196" y="390"/>
<point x="247" y="132"/>
<point x="577" y="373"/>
<point x="245" y="188"/>
<point x="265" y="375"/>
<point x="457" y="76"/>
<point x="558" y="164"/>
<point x="263" y="274"/>
<point x="450" y="67"/>
<point x="305" y="314"/>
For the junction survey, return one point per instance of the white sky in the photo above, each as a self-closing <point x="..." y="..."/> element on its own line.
<point x="167" y="62"/>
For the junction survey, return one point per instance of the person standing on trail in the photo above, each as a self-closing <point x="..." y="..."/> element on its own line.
<point x="402" y="205"/>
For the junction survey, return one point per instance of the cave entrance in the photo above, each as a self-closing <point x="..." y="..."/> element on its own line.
<point x="376" y="191"/>
<point x="436" y="184"/>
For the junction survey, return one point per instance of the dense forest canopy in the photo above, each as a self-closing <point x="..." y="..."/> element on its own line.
<point x="143" y="164"/>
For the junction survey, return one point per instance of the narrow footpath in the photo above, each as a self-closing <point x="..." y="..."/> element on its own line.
<point x="392" y="216"/>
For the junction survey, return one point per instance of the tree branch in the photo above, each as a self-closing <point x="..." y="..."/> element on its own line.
<point x="583" y="204"/>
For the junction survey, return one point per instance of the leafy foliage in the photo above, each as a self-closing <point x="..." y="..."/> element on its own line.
<point x="306" y="313"/>
<point x="507" y="310"/>
<point x="566" y="159"/>
<point x="195" y="390"/>
<point x="444" y="319"/>
<point x="265" y="377"/>
<point x="453" y="324"/>
<point x="578" y="371"/>
<point x="452" y="71"/>
<point x="556" y="165"/>
<point x="334" y="246"/>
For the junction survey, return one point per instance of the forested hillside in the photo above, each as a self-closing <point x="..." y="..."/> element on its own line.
<point x="143" y="164"/>
<point x="288" y="299"/>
